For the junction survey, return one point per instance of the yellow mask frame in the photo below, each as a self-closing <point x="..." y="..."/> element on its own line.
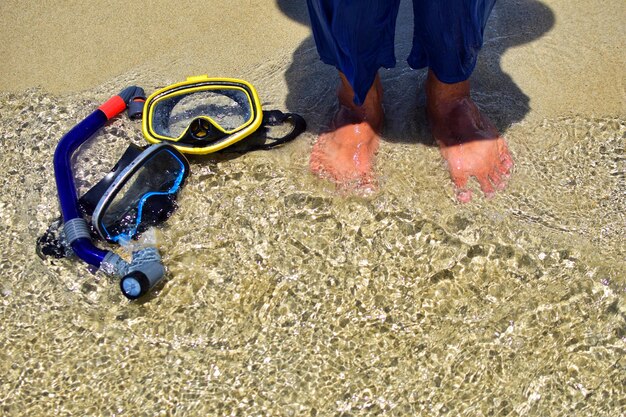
<point x="203" y="135"/>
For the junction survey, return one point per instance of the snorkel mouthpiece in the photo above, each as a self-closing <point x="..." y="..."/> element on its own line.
<point x="144" y="272"/>
<point x="140" y="276"/>
<point x="134" y="97"/>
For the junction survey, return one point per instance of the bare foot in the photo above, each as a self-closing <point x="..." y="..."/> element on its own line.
<point x="345" y="155"/>
<point x="468" y="140"/>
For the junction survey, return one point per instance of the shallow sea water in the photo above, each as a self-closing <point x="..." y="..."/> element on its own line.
<point x="286" y="298"/>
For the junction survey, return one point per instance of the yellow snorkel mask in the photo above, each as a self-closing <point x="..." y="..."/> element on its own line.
<point x="204" y="115"/>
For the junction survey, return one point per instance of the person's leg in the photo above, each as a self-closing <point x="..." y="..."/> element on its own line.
<point x="355" y="36"/>
<point x="448" y="36"/>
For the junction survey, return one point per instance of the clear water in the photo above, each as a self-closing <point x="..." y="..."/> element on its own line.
<point x="284" y="298"/>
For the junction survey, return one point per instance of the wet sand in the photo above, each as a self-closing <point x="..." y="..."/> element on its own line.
<point x="282" y="297"/>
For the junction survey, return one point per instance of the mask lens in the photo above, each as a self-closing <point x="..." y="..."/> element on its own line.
<point x="229" y="108"/>
<point x="146" y="197"/>
<point x="157" y="208"/>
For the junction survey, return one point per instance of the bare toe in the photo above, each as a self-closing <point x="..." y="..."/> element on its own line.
<point x="497" y="180"/>
<point x="486" y="186"/>
<point x="506" y="162"/>
<point x="463" y="195"/>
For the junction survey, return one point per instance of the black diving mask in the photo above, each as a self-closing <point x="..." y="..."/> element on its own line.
<point x="139" y="192"/>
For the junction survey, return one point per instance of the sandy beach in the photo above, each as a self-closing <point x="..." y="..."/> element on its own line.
<point x="568" y="57"/>
<point x="285" y="297"/>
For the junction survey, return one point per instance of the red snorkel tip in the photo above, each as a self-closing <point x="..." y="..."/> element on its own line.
<point x="113" y="106"/>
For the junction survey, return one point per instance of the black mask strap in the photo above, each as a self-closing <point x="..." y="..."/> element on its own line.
<point x="260" y="139"/>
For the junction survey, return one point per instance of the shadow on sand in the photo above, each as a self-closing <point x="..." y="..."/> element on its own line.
<point x="312" y="84"/>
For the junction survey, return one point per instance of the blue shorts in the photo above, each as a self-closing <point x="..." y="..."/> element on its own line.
<point x="357" y="37"/>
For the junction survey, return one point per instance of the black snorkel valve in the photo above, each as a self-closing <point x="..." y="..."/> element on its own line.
<point x="146" y="269"/>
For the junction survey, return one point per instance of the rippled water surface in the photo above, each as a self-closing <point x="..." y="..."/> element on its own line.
<point x="286" y="298"/>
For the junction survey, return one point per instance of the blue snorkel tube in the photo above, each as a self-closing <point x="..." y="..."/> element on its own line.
<point x="145" y="269"/>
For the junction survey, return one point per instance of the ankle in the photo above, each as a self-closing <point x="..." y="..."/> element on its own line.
<point x="370" y="111"/>
<point x="441" y="96"/>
